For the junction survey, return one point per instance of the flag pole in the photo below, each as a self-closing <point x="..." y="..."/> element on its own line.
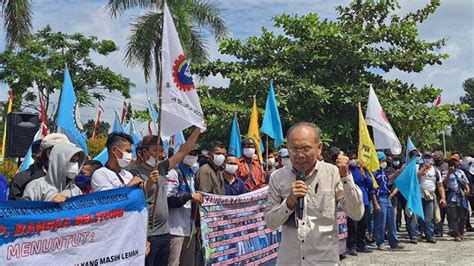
<point x="159" y="70"/>
<point x="266" y="144"/>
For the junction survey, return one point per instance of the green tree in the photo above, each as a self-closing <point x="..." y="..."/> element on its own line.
<point x="190" y="17"/>
<point x="323" y="68"/>
<point x="41" y="63"/>
<point x="17" y="17"/>
<point x="102" y="129"/>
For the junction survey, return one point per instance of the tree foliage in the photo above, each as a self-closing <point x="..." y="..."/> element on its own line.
<point x="39" y="68"/>
<point x="322" y="69"/>
<point x="102" y="129"/>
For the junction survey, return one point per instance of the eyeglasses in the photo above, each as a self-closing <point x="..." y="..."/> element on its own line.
<point x="306" y="149"/>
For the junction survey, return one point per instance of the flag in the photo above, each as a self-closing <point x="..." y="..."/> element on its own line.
<point x="235" y="143"/>
<point x="117" y="127"/>
<point x="410" y="147"/>
<point x="367" y="154"/>
<point x="174" y="142"/>
<point x="44" y="117"/>
<point x="180" y="102"/>
<point x="152" y="109"/>
<point x="9" y="109"/>
<point x="96" y="125"/>
<point x="271" y="124"/>
<point x="438" y="101"/>
<point x="28" y="159"/>
<point x="124" y="112"/>
<point x="384" y="135"/>
<point x="253" y="132"/>
<point x="407" y="183"/>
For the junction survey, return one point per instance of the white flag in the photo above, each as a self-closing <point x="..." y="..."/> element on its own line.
<point x="180" y="102"/>
<point x="384" y="136"/>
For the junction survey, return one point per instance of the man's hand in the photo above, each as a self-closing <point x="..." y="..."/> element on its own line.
<point x="377" y="208"/>
<point x="442" y="203"/>
<point x="197" y="197"/>
<point x="154" y="176"/>
<point x="342" y="163"/>
<point x="59" y="198"/>
<point x="147" y="248"/>
<point x="136" y="181"/>
<point x="298" y="189"/>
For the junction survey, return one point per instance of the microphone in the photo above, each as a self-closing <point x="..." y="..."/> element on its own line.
<point x="300" y="201"/>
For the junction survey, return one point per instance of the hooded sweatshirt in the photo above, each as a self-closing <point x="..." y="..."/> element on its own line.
<point x="55" y="182"/>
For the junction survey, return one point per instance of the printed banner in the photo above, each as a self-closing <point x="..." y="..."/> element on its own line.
<point x="107" y="227"/>
<point x="234" y="231"/>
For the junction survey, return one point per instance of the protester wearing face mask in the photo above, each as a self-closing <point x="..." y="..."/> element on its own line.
<point x="113" y="174"/>
<point x="65" y="161"/>
<point x="442" y="167"/>
<point x="283" y="158"/>
<point x="232" y="183"/>
<point x="153" y="171"/>
<point x="250" y="170"/>
<point x="182" y="203"/>
<point x="21" y="179"/>
<point x="210" y="177"/>
<point x="469" y="171"/>
<point x="386" y="216"/>
<point x="83" y="180"/>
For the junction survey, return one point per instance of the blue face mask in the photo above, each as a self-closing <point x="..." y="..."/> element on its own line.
<point x="82" y="181"/>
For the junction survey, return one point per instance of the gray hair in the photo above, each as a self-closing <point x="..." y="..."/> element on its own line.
<point x="316" y="129"/>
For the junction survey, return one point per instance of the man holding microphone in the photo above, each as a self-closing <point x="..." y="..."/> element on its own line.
<point x="307" y="209"/>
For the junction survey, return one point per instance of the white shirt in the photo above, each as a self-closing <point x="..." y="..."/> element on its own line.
<point x="430" y="179"/>
<point x="104" y="179"/>
<point x="180" y="221"/>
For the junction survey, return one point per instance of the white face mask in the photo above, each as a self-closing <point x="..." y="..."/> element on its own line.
<point x="249" y="152"/>
<point x="190" y="160"/>
<point x="72" y="170"/>
<point x="218" y="159"/>
<point x="151" y="161"/>
<point x="126" y="159"/>
<point x="195" y="167"/>
<point x="231" y="169"/>
<point x="383" y="165"/>
<point x="286" y="161"/>
<point x="353" y="162"/>
<point x="396" y="163"/>
<point x="271" y="161"/>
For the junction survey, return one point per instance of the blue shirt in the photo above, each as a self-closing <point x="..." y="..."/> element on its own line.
<point x="236" y="188"/>
<point x="365" y="184"/>
<point x="382" y="180"/>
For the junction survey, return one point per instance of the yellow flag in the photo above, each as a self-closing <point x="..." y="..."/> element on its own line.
<point x="9" y="109"/>
<point x="366" y="153"/>
<point x="254" y="132"/>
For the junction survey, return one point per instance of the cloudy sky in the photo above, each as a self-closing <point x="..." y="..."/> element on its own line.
<point x="454" y="20"/>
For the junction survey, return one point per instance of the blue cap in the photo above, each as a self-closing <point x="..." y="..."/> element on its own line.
<point x="381" y="155"/>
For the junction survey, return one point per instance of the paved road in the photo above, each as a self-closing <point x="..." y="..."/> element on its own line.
<point x="446" y="251"/>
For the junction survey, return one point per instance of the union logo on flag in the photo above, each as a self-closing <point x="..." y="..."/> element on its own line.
<point x="182" y="75"/>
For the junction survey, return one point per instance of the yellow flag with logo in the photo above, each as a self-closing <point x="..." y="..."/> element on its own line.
<point x="254" y="130"/>
<point x="9" y="109"/>
<point x="367" y="155"/>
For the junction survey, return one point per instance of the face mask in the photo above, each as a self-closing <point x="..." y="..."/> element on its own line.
<point x="231" y="169"/>
<point x="82" y="181"/>
<point x="272" y="161"/>
<point x="72" y="170"/>
<point x="438" y="162"/>
<point x="396" y="163"/>
<point x="126" y="159"/>
<point x="471" y="169"/>
<point x="190" y="159"/>
<point x="383" y="165"/>
<point x="286" y="161"/>
<point x="353" y="162"/>
<point x="151" y="161"/>
<point x="195" y="167"/>
<point x="218" y="159"/>
<point x="249" y="152"/>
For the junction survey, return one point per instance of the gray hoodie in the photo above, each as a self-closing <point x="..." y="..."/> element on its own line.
<point x="55" y="181"/>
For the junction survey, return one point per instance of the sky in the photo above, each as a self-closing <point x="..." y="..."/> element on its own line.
<point x="454" y="20"/>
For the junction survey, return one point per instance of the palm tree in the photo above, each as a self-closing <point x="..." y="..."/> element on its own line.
<point x="190" y="17"/>
<point x="17" y="16"/>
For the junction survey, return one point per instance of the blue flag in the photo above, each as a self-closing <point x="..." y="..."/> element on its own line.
<point x="410" y="147"/>
<point x="103" y="156"/>
<point x="408" y="184"/>
<point x="235" y="143"/>
<point x="28" y="159"/>
<point x="68" y="121"/>
<point x="178" y="141"/>
<point x="117" y="127"/>
<point x="271" y="124"/>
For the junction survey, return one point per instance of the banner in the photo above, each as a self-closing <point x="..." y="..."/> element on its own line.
<point x="107" y="227"/>
<point x="234" y="231"/>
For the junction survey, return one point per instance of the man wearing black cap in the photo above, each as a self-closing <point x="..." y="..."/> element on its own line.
<point x="250" y="169"/>
<point x="21" y="179"/>
<point x="430" y="179"/>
